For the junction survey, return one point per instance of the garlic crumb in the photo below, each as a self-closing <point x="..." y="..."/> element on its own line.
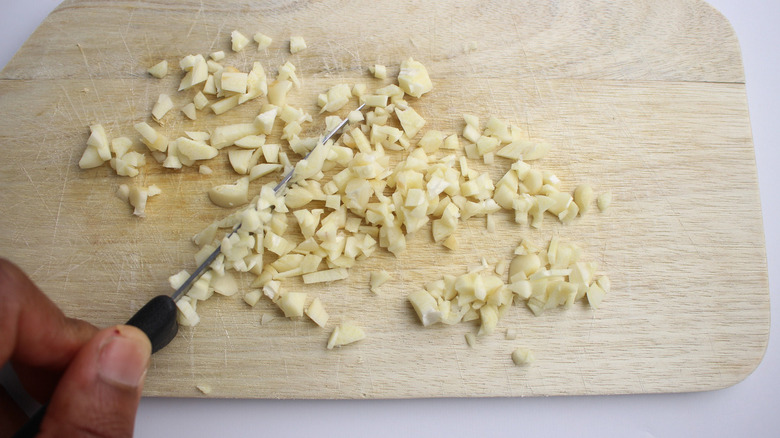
<point x="377" y="279"/>
<point x="297" y="44"/>
<point x="523" y="356"/>
<point x="238" y="41"/>
<point x="204" y="388"/>
<point x="604" y="200"/>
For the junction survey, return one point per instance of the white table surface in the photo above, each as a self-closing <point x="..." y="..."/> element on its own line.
<point x="748" y="409"/>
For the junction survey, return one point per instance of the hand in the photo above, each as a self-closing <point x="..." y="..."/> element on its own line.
<point x="92" y="378"/>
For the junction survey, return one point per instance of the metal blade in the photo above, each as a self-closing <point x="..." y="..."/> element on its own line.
<point x="327" y="137"/>
<point x="195" y="275"/>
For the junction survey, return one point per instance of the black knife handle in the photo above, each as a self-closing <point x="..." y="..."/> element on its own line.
<point x="157" y="319"/>
<point x="33" y="425"/>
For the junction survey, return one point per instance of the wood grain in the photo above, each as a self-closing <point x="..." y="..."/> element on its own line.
<point x="645" y="99"/>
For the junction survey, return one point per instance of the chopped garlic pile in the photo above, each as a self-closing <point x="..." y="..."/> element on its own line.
<point x="542" y="279"/>
<point x="346" y="199"/>
<point x="555" y="277"/>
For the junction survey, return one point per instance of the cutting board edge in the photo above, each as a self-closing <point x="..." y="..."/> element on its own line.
<point x="733" y="32"/>
<point x="26" y="42"/>
<point x="196" y="394"/>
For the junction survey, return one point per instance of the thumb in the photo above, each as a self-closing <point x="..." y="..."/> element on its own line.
<point x="99" y="393"/>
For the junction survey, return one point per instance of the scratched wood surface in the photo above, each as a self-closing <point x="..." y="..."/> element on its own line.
<point x="645" y="99"/>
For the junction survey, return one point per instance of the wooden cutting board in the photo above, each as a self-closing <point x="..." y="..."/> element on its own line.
<point x="645" y="99"/>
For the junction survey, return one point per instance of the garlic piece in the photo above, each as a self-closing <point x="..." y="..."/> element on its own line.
<point x="583" y="196"/>
<point x="225" y="284"/>
<point x="523" y="356"/>
<point x="431" y="141"/>
<point x="163" y="105"/>
<point x="345" y="334"/>
<point x="137" y="197"/>
<point x="198" y="135"/>
<point x="234" y="82"/>
<point x="316" y="311"/>
<point x="197" y="71"/>
<point x="604" y="200"/>
<point x="312" y="164"/>
<point x="426" y="307"/>
<point x="335" y="98"/>
<point x="214" y="67"/>
<point x="250" y="141"/>
<point x="265" y="122"/>
<point x="189" y="111"/>
<point x="238" y="41"/>
<point x="123" y="192"/>
<point x="377" y="279"/>
<point x="253" y="297"/>
<point x="277" y="92"/>
<point x="292" y="304"/>
<point x="413" y="78"/>
<point x="263" y="41"/>
<point x="359" y="90"/>
<point x="230" y="195"/>
<point x="186" y="315"/>
<point x="411" y="121"/>
<point x="471" y="130"/>
<point x="159" y="70"/>
<point x="488" y="315"/>
<point x="325" y="276"/>
<point x="297" y="44"/>
<point x="128" y="163"/>
<point x="121" y="146"/>
<point x="204" y="388"/>
<point x="225" y="104"/>
<point x="195" y="150"/>
<point x="595" y="295"/>
<point x="451" y="142"/>
<point x="523" y="266"/>
<point x="227" y="135"/>
<point x="374" y="100"/>
<point x="98" y="149"/>
<point x="379" y="71"/>
<point x="263" y="169"/>
<point x="451" y="243"/>
<point x="241" y="160"/>
<point x="151" y="138"/>
<point x="176" y="280"/>
<point x="210" y="87"/>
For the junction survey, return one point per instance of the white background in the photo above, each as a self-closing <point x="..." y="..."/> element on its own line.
<point x="750" y="408"/>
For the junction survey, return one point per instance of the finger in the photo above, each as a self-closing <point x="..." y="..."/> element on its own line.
<point x="37" y="336"/>
<point x="99" y="393"/>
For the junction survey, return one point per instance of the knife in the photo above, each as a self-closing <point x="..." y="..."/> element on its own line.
<point x="157" y="318"/>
